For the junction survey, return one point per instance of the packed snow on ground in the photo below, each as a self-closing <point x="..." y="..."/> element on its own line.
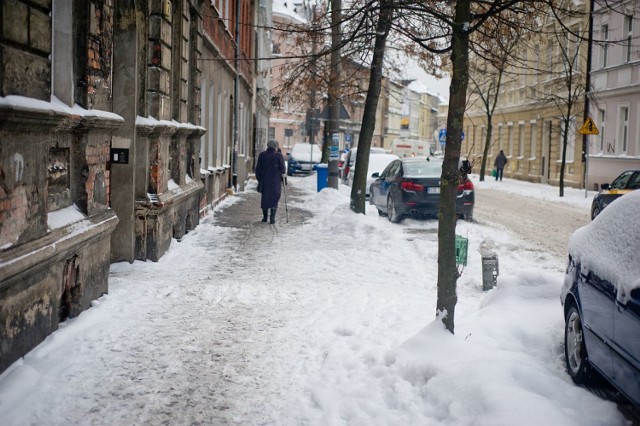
<point x="331" y="322"/>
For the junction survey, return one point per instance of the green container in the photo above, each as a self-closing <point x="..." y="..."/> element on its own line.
<point x="462" y="246"/>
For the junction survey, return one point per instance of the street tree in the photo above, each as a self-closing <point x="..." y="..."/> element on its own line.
<point x="457" y="23"/>
<point x="496" y="62"/>
<point x="567" y="40"/>
<point x="443" y="31"/>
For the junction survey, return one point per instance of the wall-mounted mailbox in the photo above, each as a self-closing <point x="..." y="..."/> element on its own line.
<point x="120" y="155"/>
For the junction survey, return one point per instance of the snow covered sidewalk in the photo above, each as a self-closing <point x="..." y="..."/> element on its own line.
<point x="325" y="320"/>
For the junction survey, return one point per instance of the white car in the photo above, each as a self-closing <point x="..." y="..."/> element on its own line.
<point x="377" y="163"/>
<point x="351" y="159"/>
<point x="303" y="158"/>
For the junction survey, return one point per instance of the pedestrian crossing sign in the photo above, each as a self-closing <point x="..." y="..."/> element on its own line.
<point x="589" y="128"/>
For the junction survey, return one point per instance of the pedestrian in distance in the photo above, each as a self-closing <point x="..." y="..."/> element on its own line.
<point x="501" y="161"/>
<point x="269" y="171"/>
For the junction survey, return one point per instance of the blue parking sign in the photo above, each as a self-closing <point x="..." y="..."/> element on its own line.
<point x="442" y="136"/>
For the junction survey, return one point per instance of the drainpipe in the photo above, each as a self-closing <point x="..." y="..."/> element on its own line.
<point x="236" y="105"/>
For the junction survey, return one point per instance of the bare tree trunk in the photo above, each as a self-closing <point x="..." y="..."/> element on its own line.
<point x="371" y="104"/>
<point x="487" y="145"/>
<point x="447" y="270"/>
<point x="565" y="140"/>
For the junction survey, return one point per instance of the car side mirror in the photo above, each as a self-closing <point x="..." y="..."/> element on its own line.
<point x="605" y="186"/>
<point x="375" y="175"/>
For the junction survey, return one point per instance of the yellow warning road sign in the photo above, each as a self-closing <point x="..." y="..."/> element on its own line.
<point x="589" y="128"/>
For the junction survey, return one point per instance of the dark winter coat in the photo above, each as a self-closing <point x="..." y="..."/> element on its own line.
<point x="269" y="171"/>
<point x="501" y="161"/>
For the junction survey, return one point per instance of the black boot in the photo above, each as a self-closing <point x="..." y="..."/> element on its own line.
<point x="273" y="216"/>
<point x="264" y="215"/>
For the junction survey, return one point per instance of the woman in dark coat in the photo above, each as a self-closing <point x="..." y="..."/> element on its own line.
<point x="269" y="171"/>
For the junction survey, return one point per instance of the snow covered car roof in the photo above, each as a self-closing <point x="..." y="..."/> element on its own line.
<point x="610" y="245"/>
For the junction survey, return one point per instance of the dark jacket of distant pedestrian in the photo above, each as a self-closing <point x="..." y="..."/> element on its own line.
<point x="499" y="163"/>
<point x="269" y="171"/>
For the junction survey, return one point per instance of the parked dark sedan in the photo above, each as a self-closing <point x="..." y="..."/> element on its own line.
<point x="601" y="298"/>
<point x="627" y="181"/>
<point x="411" y="187"/>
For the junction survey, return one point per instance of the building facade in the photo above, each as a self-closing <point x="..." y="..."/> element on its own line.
<point x="535" y="110"/>
<point x="615" y="104"/>
<point x="227" y="150"/>
<point x="289" y="114"/>
<point x="105" y="156"/>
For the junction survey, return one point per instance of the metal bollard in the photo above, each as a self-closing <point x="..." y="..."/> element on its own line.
<point x="489" y="272"/>
<point x="489" y="264"/>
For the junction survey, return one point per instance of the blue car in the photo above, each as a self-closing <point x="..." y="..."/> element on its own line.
<point x="601" y="298"/>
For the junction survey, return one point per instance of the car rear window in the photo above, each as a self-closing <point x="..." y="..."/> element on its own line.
<point x="422" y="168"/>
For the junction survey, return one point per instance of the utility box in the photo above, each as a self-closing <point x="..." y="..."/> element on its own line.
<point x="489" y="272"/>
<point x="462" y="247"/>
<point x="322" y="170"/>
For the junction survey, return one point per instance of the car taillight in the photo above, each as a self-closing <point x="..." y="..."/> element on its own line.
<point x="407" y="185"/>
<point x="466" y="186"/>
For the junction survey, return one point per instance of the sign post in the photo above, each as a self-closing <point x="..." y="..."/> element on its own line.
<point x="588" y="128"/>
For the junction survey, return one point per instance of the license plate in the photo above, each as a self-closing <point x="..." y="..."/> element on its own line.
<point x="433" y="190"/>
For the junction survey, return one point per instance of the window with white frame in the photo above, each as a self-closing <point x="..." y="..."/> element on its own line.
<point x="623" y="129"/>
<point x="534" y="138"/>
<point x="521" y="140"/>
<point x="62" y="85"/>
<point x="510" y="139"/>
<point x="538" y="69"/>
<point x="205" y="123"/>
<point x="604" y="53"/>
<point x="602" y="115"/>
<point x="628" y="27"/>
<point x="219" y="140"/>
<point x="571" y="139"/>
<point x="209" y="134"/>
<point x="550" y="58"/>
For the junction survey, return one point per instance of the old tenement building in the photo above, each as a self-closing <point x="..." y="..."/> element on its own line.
<point x="101" y="142"/>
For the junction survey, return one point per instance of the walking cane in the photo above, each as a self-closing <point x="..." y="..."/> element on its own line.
<point x="286" y="209"/>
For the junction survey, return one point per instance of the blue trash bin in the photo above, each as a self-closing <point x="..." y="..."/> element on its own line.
<point x="322" y="170"/>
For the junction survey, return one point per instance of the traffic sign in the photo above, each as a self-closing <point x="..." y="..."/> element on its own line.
<point x="334" y="153"/>
<point x="589" y="128"/>
<point x="442" y="136"/>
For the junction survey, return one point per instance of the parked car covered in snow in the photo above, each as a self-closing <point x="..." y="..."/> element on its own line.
<point x="303" y="157"/>
<point x="601" y="298"/>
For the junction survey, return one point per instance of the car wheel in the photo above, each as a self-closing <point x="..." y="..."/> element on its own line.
<point x="575" y="351"/>
<point x="595" y="212"/>
<point x="393" y="216"/>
